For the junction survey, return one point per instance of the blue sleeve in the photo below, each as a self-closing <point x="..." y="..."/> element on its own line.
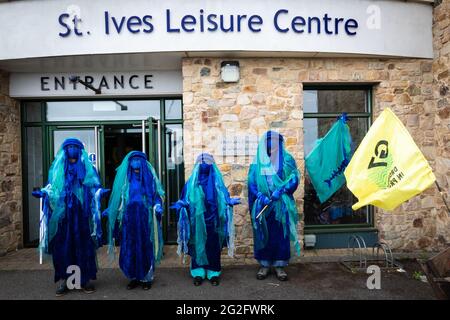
<point x="183" y="198"/>
<point x="292" y="185"/>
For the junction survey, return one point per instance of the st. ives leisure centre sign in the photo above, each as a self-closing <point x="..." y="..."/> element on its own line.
<point x="82" y="27"/>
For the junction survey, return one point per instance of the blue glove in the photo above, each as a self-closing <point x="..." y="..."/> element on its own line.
<point x="37" y="194"/>
<point x="158" y="211"/>
<point x="179" y="204"/>
<point x="105" y="213"/>
<point x="158" y="208"/>
<point x="276" y="195"/>
<point x="261" y="197"/>
<point x="234" y="201"/>
<point x="104" y="192"/>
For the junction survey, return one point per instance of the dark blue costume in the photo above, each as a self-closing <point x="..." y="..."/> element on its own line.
<point x="71" y="217"/>
<point x="134" y="212"/>
<point x="273" y="178"/>
<point x="205" y="219"/>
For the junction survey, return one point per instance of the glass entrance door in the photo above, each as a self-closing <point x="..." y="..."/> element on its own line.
<point x="152" y="145"/>
<point x="118" y="141"/>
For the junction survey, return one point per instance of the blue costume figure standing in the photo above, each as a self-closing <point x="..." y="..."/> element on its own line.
<point x="71" y="221"/>
<point x="134" y="218"/>
<point x="205" y="220"/>
<point x="273" y="178"/>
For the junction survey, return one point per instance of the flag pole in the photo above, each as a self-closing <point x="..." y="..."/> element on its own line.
<point x="442" y="195"/>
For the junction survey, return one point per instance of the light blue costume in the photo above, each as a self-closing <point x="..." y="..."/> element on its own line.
<point x="205" y="219"/>
<point x="272" y="180"/>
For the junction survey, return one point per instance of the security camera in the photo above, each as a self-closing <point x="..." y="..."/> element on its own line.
<point x="74" y="78"/>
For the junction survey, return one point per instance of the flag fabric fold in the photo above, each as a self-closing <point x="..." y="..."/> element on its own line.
<point x="388" y="167"/>
<point x="329" y="158"/>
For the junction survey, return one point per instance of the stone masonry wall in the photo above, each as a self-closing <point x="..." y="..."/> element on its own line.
<point x="10" y="171"/>
<point x="441" y="95"/>
<point x="269" y="95"/>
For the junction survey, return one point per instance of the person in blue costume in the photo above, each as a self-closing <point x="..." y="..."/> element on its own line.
<point x="71" y="220"/>
<point x="205" y="220"/>
<point x="273" y="178"/>
<point x="134" y="213"/>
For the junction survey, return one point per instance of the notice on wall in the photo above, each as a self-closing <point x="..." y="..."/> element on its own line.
<point x="238" y="146"/>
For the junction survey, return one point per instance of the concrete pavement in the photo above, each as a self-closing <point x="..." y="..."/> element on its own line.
<point x="307" y="281"/>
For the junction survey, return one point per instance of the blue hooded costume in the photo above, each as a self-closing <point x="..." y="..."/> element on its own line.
<point x="205" y="218"/>
<point x="273" y="178"/>
<point x="134" y="217"/>
<point x="71" y="220"/>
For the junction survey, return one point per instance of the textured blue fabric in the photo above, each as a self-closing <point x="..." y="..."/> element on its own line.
<point x="211" y="274"/>
<point x="204" y="273"/>
<point x="71" y="218"/>
<point x="274" y="230"/>
<point x="73" y="245"/>
<point x="134" y="225"/>
<point x="136" y="249"/>
<point x="198" y="272"/>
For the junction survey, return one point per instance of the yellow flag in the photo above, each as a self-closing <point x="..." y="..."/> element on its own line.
<point x="388" y="167"/>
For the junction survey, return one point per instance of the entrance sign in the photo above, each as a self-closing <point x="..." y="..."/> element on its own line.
<point x="111" y="84"/>
<point x="31" y="29"/>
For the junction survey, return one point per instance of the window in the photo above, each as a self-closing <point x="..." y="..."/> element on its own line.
<point x="103" y="110"/>
<point x="173" y="109"/>
<point x="322" y="106"/>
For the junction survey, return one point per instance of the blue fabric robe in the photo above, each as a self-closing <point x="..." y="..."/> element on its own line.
<point x="217" y="234"/>
<point x="134" y="226"/>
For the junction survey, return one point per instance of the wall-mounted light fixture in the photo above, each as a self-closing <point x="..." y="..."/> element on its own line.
<point x="84" y="83"/>
<point x="229" y="71"/>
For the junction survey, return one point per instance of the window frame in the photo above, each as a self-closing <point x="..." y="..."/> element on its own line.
<point x="337" y="228"/>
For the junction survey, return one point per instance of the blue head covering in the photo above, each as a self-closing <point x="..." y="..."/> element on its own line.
<point x="72" y="142"/>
